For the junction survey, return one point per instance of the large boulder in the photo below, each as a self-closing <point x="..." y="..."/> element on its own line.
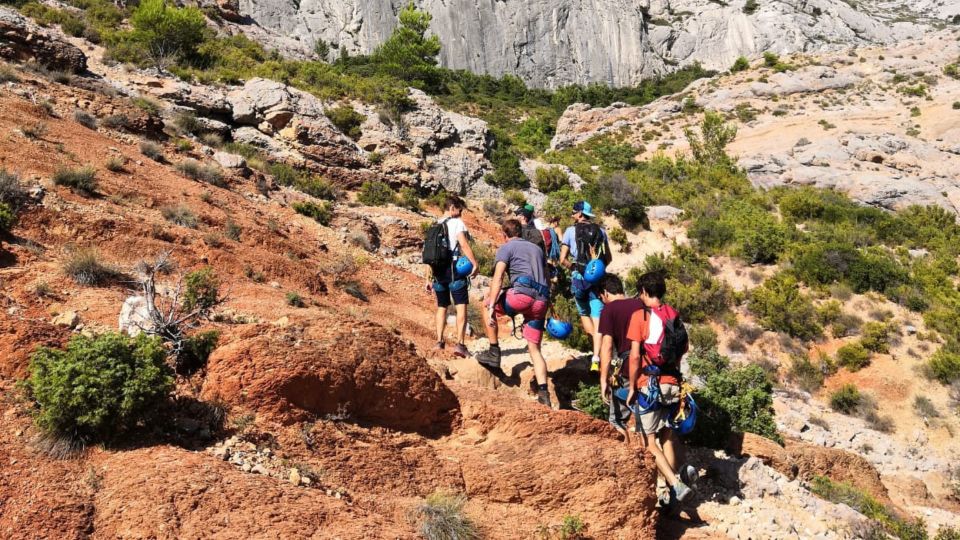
<point x="22" y="40"/>
<point x="331" y="366"/>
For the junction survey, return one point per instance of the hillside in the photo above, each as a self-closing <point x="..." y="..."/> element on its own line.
<point x="284" y="202"/>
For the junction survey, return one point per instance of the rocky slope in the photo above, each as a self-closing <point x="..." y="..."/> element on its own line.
<point x="876" y="123"/>
<point x="617" y="42"/>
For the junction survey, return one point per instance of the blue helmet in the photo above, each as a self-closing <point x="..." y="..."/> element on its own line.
<point x="594" y="271"/>
<point x="464" y="267"/>
<point x="685" y="417"/>
<point x="559" y="329"/>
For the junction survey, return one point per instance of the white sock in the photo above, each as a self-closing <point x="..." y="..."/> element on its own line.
<point x="596" y="359"/>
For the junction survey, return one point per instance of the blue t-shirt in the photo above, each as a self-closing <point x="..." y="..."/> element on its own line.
<point x="570" y="240"/>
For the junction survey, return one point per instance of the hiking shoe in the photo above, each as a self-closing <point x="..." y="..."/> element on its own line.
<point x="595" y="363"/>
<point x="489" y="358"/>
<point x="461" y="350"/>
<point x="543" y="398"/>
<point x="689" y="475"/>
<point x="680" y="491"/>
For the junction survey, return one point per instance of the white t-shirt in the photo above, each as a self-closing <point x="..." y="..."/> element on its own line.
<point x="455" y="226"/>
<point x="656" y="329"/>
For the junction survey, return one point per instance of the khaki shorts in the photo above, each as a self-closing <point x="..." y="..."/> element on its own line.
<point x="656" y="420"/>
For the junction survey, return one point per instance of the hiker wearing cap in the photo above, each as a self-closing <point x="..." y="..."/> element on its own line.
<point x="528" y="229"/>
<point x="615" y="348"/>
<point x="528" y="295"/>
<point x="582" y="242"/>
<point x="446" y="282"/>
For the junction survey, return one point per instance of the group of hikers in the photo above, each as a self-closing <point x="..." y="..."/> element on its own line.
<point x="637" y="341"/>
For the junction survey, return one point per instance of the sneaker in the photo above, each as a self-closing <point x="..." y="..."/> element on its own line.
<point x="439" y="346"/>
<point x="461" y="350"/>
<point x="489" y="358"/>
<point x="664" y="498"/>
<point x="595" y="363"/>
<point x="680" y="491"/>
<point x="689" y="475"/>
<point x="543" y="398"/>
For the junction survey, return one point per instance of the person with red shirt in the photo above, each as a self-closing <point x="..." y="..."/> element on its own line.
<point x="646" y="334"/>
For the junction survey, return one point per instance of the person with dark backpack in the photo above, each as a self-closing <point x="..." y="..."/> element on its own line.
<point x="658" y="343"/>
<point x="444" y="244"/>
<point x="582" y="242"/>
<point x="528" y="229"/>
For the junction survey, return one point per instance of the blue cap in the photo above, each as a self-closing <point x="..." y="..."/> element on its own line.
<point x="583" y="207"/>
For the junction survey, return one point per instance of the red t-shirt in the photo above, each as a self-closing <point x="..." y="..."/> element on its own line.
<point x="646" y="327"/>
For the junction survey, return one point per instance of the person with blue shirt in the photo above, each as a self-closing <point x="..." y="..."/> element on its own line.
<point x="582" y="242"/>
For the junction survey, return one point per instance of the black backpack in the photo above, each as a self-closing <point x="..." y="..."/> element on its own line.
<point x="589" y="238"/>
<point x="436" y="245"/>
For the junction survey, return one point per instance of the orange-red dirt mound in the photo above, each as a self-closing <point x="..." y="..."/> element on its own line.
<point x="331" y="366"/>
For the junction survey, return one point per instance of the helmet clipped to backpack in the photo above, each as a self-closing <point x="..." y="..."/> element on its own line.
<point x="594" y="271"/>
<point x="463" y="268"/>
<point x="559" y="329"/>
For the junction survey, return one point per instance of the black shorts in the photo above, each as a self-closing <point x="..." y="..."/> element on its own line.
<point x="449" y="290"/>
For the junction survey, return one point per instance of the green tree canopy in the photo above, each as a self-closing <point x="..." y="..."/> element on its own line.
<point x="408" y="54"/>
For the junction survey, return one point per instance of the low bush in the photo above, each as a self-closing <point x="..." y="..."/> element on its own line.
<point x="409" y="199"/>
<point x="295" y="300"/>
<point x="731" y="399"/>
<point x="180" y="215"/>
<point x="318" y="187"/>
<point x="186" y="122"/>
<point x="321" y="213"/>
<point x="889" y="520"/>
<point x="82" y="180"/>
<point x="780" y="306"/>
<point x="376" y="193"/>
<point x="84" y="266"/>
<point x="550" y="179"/>
<point x="195" y="352"/>
<point x="195" y="170"/>
<point x="702" y="337"/>
<point x="7" y="218"/>
<point x="740" y="64"/>
<point x="98" y="388"/>
<point x="147" y="105"/>
<point x="847" y="324"/>
<point x="805" y="374"/>
<point x="85" y="119"/>
<point x="944" y="366"/>
<point x="34" y="131"/>
<point x="925" y="408"/>
<point x="347" y="120"/>
<point x="853" y="356"/>
<point x="876" y="337"/>
<point x="441" y="517"/>
<point x="619" y="236"/>
<point x="202" y="291"/>
<point x="846" y="399"/>
<point x="115" y="163"/>
<point x="12" y="192"/>
<point x="116" y="121"/>
<point x="588" y="400"/>
<point x="152" y="150"/>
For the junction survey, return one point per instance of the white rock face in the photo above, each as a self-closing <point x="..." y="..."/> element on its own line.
<point x="549" y="43"/>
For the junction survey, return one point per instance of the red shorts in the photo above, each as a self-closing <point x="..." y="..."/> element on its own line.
<point x="534" y="313"/>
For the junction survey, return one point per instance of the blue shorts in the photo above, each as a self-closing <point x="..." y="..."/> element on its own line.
<point x="448" y="289"/>
<point x="589" y="305"/>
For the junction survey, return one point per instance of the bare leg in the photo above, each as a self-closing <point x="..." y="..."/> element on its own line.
<point x="671" y="447"/>
<point x="539" y="364"/>
<point x="590" y="330"/>
<point x="596" y="336"/>
<point x="649" y="441"/>
<point x="491" y="330"/>
<point x="441" y="323"/>
<point x="461" y="322"/>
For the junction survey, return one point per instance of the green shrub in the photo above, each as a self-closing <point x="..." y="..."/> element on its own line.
<point x="208" y="173"/>
<point x="889" y="520"/>
<point x="770" y="59"/>
<point x="732" y="399"/>
<point x="691" y="287"/>
<point x="753" y="233"/>
<point x="186" y="122"/>
<point x="202" y="291"/>
<point x="321" y="213"/>
<point x="98" y="388"/>
<point x="376" y="193"/>
<point x="702" y="337"/>
<point x="740" y="64"/>
<point x="82" y="180"/>
<point x="195" y="352"/>
<point x="780" y="306"/>
<point x="116" y="121"/>
<point x="589" y="401"/>
<point x="181" y="215"/>
<point x="846" y="399"/>
<point x="944" y="366"/>
<point x="750" y="7"/>
<point x="295" y="300"/>
<point x="616" y="194"/>
<point x="409" y="199"/>
<point x="161" y="35"/>
<point x="115" y="163"/>
<point x="7" y="218"/>
<point x="440" y="517"/>
<point x="346" y="119"/>
<point x="619" y="236"/>
<point x="550" y="179"/>
<point x="152" y="150"/>
<point x="853" y="356"/>
<point x="506" y="167"/>
<point x="85" y="119"/>
<point x="12" y="192"/>
<point x="572" y="528"/>
<point x="318" y="187"/>
<point x="945" y="532"/>
<point x="709" y="145"/>
<point x="876" y="270"/>
<point x="925" y="408"/>
<point x="146" y="104"/>
<point x="876" y="337"/>
<point x="85" y="268"/>
<point x="805" y="374"/>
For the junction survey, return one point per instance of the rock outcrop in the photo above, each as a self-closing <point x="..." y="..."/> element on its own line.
<point x="333" y="366"/>
<point x="549" y="43"/>
<point x="21" y="39"/>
